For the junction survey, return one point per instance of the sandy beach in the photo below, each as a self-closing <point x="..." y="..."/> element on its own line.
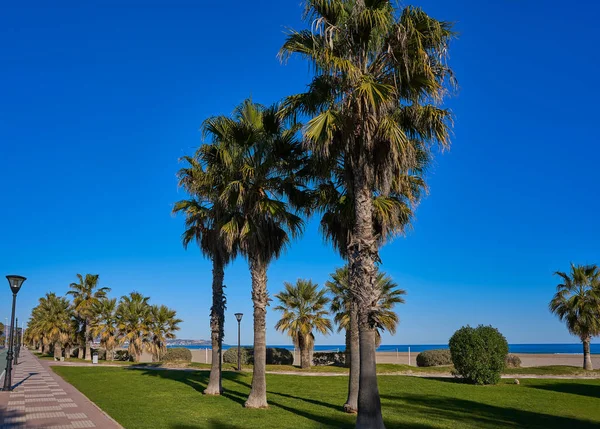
<point x="527" y="359"/>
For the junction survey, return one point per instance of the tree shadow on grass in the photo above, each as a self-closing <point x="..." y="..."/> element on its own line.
<point x="581" y="389"/>
<point x="197" y="380"/>
<point x="464" y="412"/>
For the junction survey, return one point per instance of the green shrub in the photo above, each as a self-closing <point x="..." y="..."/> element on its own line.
<point x="436" y="357"/>
<point x="123" y="355"/>
<point x="329" y="358"/>
<point x="279" y="356"/>
<point x="479" y="354"/>
<point x="177" y="354"/>
<point x="231" y="356"/>
<point x="512" y="361"/>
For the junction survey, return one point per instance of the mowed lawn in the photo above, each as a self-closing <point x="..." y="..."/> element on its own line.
<point x="143" y="398"/>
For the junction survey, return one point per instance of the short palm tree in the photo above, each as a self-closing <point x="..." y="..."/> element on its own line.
<point x="577" y="303"/>
<point x="54" y="320"/>
<point x="204" y="216"/>
<point x="133" y="322"/>
<point x="264" y="191"/>
<point x="304" y="311"/>
<point x="85" y="294"/>
<point x="380" y="76"/>
<point x="163" y="325"/>
<point x="104" y="325"/>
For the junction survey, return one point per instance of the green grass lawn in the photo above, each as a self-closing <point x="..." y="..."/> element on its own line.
<point x="145" y="398"/>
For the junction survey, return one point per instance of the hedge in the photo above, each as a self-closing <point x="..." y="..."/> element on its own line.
<point x="436" y="357"/>
<point x="178" y="354"/>
<point x="231" y="356"/>
<point x="275" y="356"/>
<point x="329" y="358"/>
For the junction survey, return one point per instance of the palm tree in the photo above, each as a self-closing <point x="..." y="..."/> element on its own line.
<point x="264" y="191"/>
<point x="133" y="322"/>
<point x="53" y="318"/>
<point x="577" y="302"/>
<point x="163" y="324"/>
<point x="303" y="308"/>
<point x="85" y="294"/>
<point x="204" y="217"/>
<point x="380" y="75"/>
<point x="104" y="325"/>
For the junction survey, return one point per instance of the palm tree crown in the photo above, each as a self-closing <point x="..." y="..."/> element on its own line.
<point x="304" y="310"/>
<point x="163" y="325"/>
<point x="133" y="321"/>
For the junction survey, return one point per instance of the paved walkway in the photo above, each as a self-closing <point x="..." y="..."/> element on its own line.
<point x="41" y="399"/>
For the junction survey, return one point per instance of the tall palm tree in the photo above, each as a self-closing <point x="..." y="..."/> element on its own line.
<point x="104" y="325"/>
<point x="133" y="322"/>
<point x="264" y="191"/>
<point x="204" y="217"/>
<point x="304" y="310"/>
<point x="163" y="325"/>
<point x="380" y="75"/>
<point x="577" y="303"/>
<point x="85" y="294"/>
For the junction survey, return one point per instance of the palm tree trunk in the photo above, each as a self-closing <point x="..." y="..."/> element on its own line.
<point x="353" y="360"/>
<point x="363" y="254"/>
<point x="258" y="393"/>
<point x="81" y="351"/>
<point x="587" y="357"/>
<point x="217" y="321"/>
<point x="304" y="352"/>
<point x="57" y="350"/>
<point x="88" y="349"/>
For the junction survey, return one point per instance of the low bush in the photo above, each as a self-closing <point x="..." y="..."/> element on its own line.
<point x="479" y="354"/>
<point x="279" y="356"/>
<point x="436" y="357"/>
<point x="329" y="358"/>
<point x="512" y="361"/>
<point x="123" y="356"/>
<point x="177" y="354"/>
<point x="231" y="356"/>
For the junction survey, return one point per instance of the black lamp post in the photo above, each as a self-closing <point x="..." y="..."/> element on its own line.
<point x="15" y="283"/>
<point x="238" y="316"/>
<point x="16" y="345"/>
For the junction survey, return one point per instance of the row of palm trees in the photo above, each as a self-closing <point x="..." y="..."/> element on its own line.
<point x="305" y="311"/>
<point x="577" y="303"/>
<point x="61" y="325"/>
<point x="371" y="116"/>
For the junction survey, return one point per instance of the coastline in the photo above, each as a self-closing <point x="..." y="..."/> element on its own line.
<point x="527" y="359"/>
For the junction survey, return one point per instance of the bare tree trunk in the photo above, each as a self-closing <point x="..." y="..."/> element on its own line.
<point x="304" y="352"/>
<point x="217" y="321"/>
<point x="258" y="393"/>
<point x="81" y="350"/>
<point x="67" y="351"/>
<point x="88" y="348"/>
<point x="587" y="357"/>
<point x="351" y="405"/>
<point x="363" y="254"/>
<point x="40" y="347"/>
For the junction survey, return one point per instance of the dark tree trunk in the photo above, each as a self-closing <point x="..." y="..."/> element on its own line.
<point x="363" y="253"/>
<point x="88" y="348"/>
<point x="258" y="393"/>
<point x="217" y="321"/>
<point x="351" y="405"/>
<point x="587" y="357"/>
<point x="81" y="351"/>
<point x="304" y="352"/>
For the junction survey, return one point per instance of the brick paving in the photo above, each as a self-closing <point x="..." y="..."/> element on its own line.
<point x="43" y="400"/>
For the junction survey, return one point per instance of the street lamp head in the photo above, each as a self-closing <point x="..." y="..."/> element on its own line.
<point x="238" y="316"/>
<point x="15" y="283"/>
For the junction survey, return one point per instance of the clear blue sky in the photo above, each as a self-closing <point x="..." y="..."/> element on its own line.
<point x="99" y="102"/>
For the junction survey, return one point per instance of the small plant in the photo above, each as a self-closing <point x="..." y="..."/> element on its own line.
<point x="479" y="354"/>
<point x="279" y="356"/>
<point x="123" y="356"/>
<point x="436" y="357"/>
<point x="512" y="361"/>
<point x="178" y="354"/>
<point x="231" y="356"/>
<point x="329" y="358"/>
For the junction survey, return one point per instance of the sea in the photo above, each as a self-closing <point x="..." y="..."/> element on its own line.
<point x="559" y="349"/>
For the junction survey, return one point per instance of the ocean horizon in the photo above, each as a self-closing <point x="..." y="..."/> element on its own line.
<point x="567" y="349"/>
